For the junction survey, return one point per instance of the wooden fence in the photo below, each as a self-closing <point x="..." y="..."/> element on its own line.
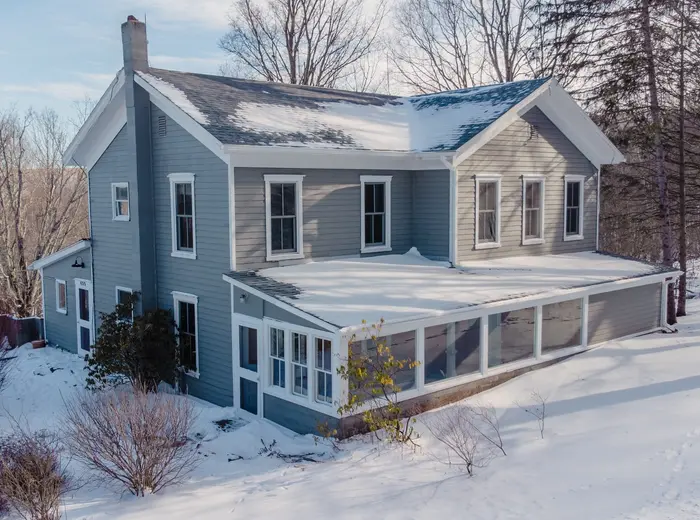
<point x="19" y="331"/>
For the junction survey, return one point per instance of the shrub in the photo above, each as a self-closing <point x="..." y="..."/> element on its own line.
<point x="372" y="382"/>
<point x="33" y="476"/>
<point x="132" y="437"/>
<point x="141" y="350"/>
<point x="5" y="361"/>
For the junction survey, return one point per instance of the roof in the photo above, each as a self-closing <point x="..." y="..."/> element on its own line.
<point x="247" y="112"/>
<point x="59" y="255"/>
<point x="398" y="288"/>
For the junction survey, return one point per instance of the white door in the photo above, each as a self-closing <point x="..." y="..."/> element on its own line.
<point x="84" y="313"/>
<point x="247" y="364"/>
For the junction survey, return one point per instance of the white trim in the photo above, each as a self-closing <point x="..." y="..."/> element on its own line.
<point x="541" y="180"/>
<point x="538" y="332"/>
<point x="597" y="211"/>
<point x="297" y="180"/>
<point x="420" y="358"/>
<point x="478" y="179"/>
<point x="64" y="309"/>
<point x="663" y="318"/>
<point x="584" y="320"/>
<point x="91" y="310"/>
<point x="240" y="320"/>
<point x="581" y="180"/>
<point x="43" y="303"/>
<point x="193" y="299"/>
<point x="376" y="179"/>
<point x="182" y="178"/>
<point x="452" y="227"/>
<point x="126" y="217"/>
<point x="59" y="255"/>
<point x="232" y="214"/>
<point x="182" y="118"/>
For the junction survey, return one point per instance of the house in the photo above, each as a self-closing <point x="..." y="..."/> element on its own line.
<point x="274" y="220"/>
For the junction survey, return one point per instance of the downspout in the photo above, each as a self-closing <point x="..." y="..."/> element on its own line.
<point x="597" y="213"/>
<point x="453" y="209"/>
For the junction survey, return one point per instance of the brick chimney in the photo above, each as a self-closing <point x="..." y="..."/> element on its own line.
<point x="135" y="45"/>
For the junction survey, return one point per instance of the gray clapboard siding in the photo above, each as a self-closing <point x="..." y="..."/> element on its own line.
<point x="331" y="202"/>
<point x="512" y="154"/>
<point x="61" y="329"/>
<point x="295" y="417"/>
<point x="431" y="213"/>
<point x="179" y="152"/>
<point x="622" y="313"/>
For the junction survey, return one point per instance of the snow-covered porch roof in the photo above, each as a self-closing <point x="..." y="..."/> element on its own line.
<point x="344" y="293"/>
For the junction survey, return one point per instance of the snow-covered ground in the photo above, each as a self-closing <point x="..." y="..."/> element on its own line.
<point x="622" y="441"/>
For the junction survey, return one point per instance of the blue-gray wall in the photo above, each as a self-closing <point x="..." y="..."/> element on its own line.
<point x="431" y="213"/>
<point x="179" y="152"/>
<point x="255" y="307"/>
<point x="294" y="416"/>
<point x="61" y="329"/>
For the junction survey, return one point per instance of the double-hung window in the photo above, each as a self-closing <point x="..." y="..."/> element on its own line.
<point x="324" y="376"/>
<point x="124" y="298"/>
<point x="376" y="213"/>
<point x="61" y="297"/>
<point x="182" y="207"/>
<point x="284" y="217"/>
<point x="277" y="362"/>
<point x="533" y="210"/>
<point x="488" y="211"/>
<point x="573" y="207"/>
<point x="186" y="320"/>
<point x="300" y="364"/>
<point x="120" y="201"/>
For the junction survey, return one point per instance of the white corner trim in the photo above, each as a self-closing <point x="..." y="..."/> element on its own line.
<point x="232" y="215"/>
<point x="57" y="283"/>
<point x="478" y="179"/>
<point x="581" y="180"/>
<point x="287" y="255"/>
<point x="452" y="227"/>
<point x="541" y="179"/>
<point x="377" y="179"/>
<point x="182" y="178"/>
<point x="59" y="255"/>
<point x="122" y="218"/>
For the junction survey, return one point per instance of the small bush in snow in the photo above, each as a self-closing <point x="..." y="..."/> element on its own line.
<point x="538" y="409"/>
<point x="372" y="381"/>
<point x="471" y="435"/>
<point x="131" y="437"/>
<point x="33" y="476"/>
<point x="141" y="351"/>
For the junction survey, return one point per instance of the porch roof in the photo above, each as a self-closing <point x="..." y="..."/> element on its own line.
<point x="400" y="288"/>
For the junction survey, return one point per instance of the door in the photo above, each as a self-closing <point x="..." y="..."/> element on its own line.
<point x="84" y="314"/>
<point x="247" y="364"/>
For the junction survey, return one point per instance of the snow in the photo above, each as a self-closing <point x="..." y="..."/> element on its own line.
<point x="177" y="96"/>
<point x="401" y="287"/>
<point x="621" y="442"/>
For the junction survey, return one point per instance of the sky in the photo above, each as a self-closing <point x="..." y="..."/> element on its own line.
<point x="55" y="52"/>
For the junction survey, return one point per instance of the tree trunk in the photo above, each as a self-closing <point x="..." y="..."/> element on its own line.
<point x="682" y="238"/>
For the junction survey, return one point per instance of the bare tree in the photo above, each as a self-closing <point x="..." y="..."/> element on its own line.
<point x="43" y="204"/>
<point x="538" y="409"/>
<point x="305" y="42"/>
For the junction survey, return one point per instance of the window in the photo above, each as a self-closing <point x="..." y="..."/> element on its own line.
<point x="488" y="209"/>
<point x="511" y="336"/>
<point x="451" y="350"/>
<point x="61" y="297"/>
<point x="561" y="325"/>
<point x="283" y="215"/>
<point x="324" y="376"/>
<point x="123" y="298"/>
<point x="186" y="321"/>
<point x="120" y="201"/>
<point x="183" y="215"/>
<point x="248" y="347"/>
<point x="299" y="364"/>
<point x="573" y="207"/>
<point x="533" y="210"/>
<point x="376" y="213"/>
<point x="277" y="366"/>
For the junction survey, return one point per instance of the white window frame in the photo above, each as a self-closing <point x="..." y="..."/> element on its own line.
<point x="188" y="298"/>
<point x="283" y="359"/>
<point x="302" y="366"/>
<point x="376" y="179"/>
<point x="64" y="309"/>
<point x="119" y="289"/>
<point x="541" y="180"/>
<point x="322" y="370"/>
<point x="182" y="178"/>
<point x="122" y="218"/>
<point x="487" y="178"/>
<point x="581" y="180"/>
<point x="285" y="179"/>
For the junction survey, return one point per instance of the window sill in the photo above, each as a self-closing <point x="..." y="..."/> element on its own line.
<point x="191" y="255"/>
<point x="375" y="249"/>
<point x="284" y="256"/>
<point x="62" y="311"/>
<point x="487" y="245"/>
<point x="571" y="238"/>
<point x="194" y="375"/>
<point x="121" y="218"/>
<point x="533" y="241"/>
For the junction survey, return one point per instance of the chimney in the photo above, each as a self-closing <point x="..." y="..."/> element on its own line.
<point x="135" y="45"/>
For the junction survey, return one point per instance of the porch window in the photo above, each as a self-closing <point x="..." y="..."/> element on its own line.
<point x="120" y="201"/>
<point x="561" y="325"/>
<point x="277" y="363"/>
<point x="533" y="210"/>
<point x="182" y="207"/>
<point x="283" y="207"/>
<point x="573" y="207"/>
<point x="451" y="350"/>
<point x="248" y="347"/>
<point x="324" y="376"/>
<point x="188" y="338"/>
<point x="299" y="364"/>
<point x="61" y="297"/>
<point x="402" y="346"/>
<point x="376" y="213"/>
<point x="511" y="336"/>
<point x="488" y="212"/>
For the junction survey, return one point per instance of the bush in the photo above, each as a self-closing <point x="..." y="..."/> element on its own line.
<point x="33" y="477"/>
<point x="132" y="437"/>
<point x="373" y="389"/>
<point x="142" y="350"/>
<point x="5" y="361"/>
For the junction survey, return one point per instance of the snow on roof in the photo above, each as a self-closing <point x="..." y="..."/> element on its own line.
<point x="249" y="112"/>
<point x="401" y="287"/>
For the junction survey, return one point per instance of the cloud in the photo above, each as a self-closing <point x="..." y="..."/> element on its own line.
<point x="210" y="13"/>
<point x="65" y="91"/>
<point x="190" y="63"/>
